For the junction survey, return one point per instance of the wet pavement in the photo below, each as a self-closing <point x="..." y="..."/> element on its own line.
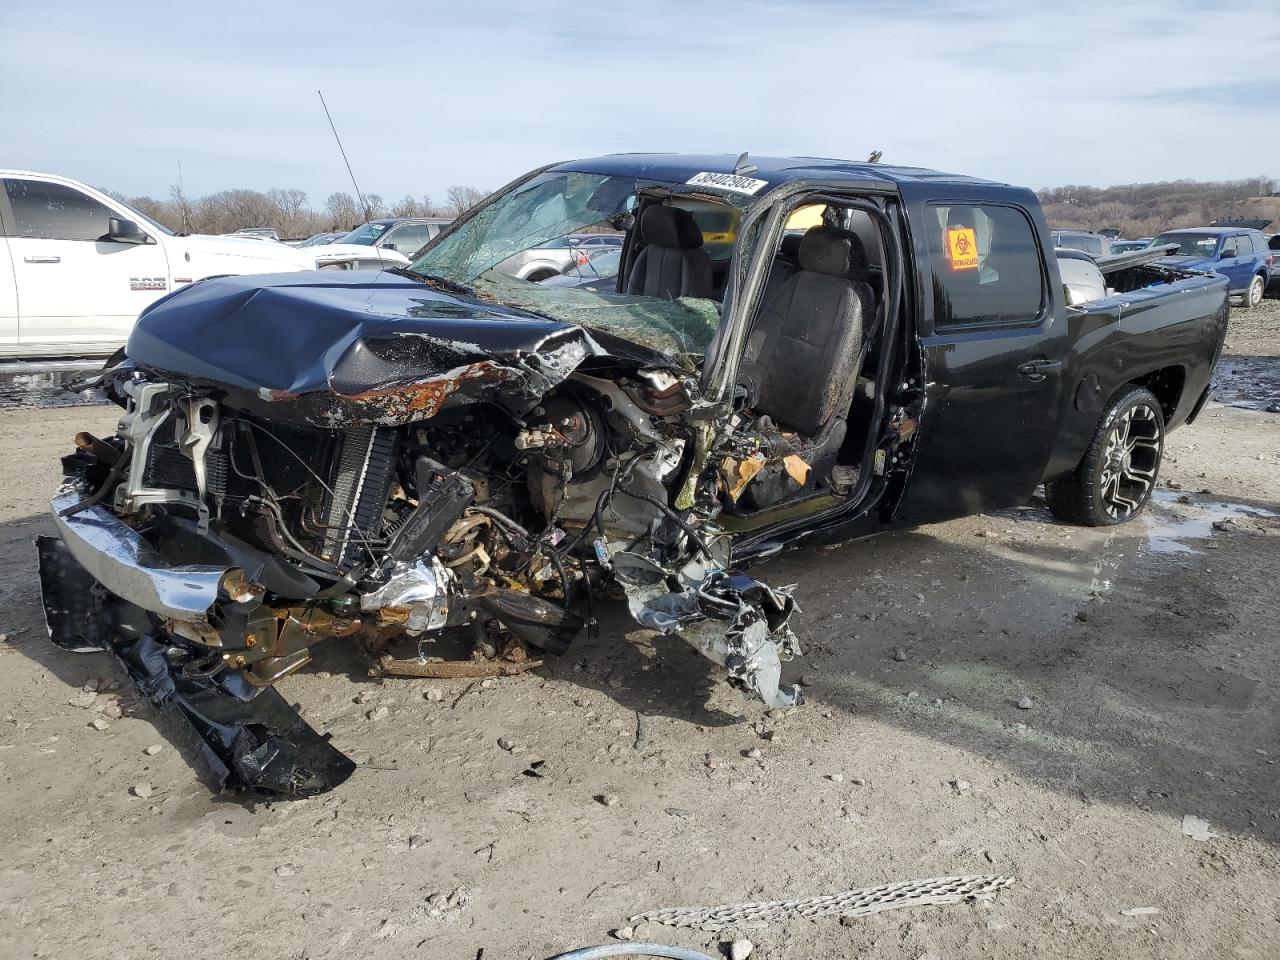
<point x="1251" y="383"/>
<point x="44" y="384"/>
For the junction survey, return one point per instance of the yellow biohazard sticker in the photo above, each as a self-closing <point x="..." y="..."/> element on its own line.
<point x="962" y="248"/>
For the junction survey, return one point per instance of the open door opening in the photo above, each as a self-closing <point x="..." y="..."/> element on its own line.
<point x="807" y="381"/>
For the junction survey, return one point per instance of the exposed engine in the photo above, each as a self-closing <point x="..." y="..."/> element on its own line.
<point x="247" y="539"/>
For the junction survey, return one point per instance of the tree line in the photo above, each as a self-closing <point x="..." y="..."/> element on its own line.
<point x="1145" y="209"/>
<point x="288" y="211"/>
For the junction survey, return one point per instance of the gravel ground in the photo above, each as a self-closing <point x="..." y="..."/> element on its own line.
<point x="1148" y="655"/>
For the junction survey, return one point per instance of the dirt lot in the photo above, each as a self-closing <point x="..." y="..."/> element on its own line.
<point x="1149" y="655"/>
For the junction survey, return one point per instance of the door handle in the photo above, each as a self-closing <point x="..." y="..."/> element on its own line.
<point x="42" y="258"/>
<point x="1037" y="370"/>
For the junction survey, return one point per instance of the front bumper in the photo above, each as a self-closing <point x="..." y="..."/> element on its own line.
<point x="118" y="558"/>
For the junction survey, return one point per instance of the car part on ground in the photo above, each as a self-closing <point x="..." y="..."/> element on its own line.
<point x="939" y="891"/>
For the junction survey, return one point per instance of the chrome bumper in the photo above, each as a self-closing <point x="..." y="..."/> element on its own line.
<point x="125" y="564"/>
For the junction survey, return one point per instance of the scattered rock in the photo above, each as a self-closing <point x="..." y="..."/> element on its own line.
<point x="141" y="790"/>
<point x="152" y="750"/>
<point x="608" y="799"/>
<point x="961" y="786"/>
<point x="836" y="777"/>
<point x="1140" y="912"/>
<point x="1197" y="828"/>
<point x="416" y="841"/>
<point x="741" y="949"/>
<point x="378" y="713"/>
<point x="364" y="696"/>
<point x="624" y="933"/>
<point x="858" y="781"/>
<point x="385" y="930"/>
<point x="900" y="655"/>
<point x="99" y="724"/>
<point x="488" y="683"/>
<point x="1025" y="703"/>
<point x="434" y="694"/>
<point x="287" y="869"/>
<point x="755" y="753"/>
<point x="773" y="736"/>
<point x="506" y="744"/>
<point x="1222" y="526"/>
<point x="112" y="710"/>
<point x="1082" y="616"/>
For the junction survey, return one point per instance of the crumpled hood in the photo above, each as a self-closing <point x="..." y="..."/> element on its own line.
<point x="331" y="348"/>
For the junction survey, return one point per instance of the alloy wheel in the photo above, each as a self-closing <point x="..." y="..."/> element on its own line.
<point x="1130" y="460"/>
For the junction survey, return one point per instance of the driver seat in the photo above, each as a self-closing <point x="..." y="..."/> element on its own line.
<point x="802" y="360"/>
<point x="672" y="263"/>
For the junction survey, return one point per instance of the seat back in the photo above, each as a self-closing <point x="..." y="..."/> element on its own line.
<point x="805" y="347"/>
<point x="672" y="263"/>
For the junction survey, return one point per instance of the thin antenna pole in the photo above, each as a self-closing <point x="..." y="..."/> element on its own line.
<point x="182" y="189"/>
<point x="368" y="214"/>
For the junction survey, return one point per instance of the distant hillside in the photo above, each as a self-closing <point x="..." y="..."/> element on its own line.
<point x="1144" y="209"/>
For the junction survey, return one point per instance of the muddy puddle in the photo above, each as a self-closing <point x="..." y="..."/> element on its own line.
<point x="44" y="385"/>
<point x="1174" y="525"/>
<point x="1252" y="383"/>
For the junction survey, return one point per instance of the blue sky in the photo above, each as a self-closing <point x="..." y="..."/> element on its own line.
<point x="427" y="95"/>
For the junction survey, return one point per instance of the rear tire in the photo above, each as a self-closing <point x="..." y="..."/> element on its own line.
<point x="1253" y="295"/>
<point x="1118" y="474"/>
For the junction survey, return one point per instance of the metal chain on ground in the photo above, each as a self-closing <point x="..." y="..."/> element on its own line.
<point x="852" y="903"/>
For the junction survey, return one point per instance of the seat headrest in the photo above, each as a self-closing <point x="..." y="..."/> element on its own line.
<point x="670" y="227"/>
<point x="837" y="253"/>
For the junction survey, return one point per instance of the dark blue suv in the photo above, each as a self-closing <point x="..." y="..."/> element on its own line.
<point x="1240" y="255"/>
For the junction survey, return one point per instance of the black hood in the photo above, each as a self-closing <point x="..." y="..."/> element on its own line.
<point x="341" y="347"/>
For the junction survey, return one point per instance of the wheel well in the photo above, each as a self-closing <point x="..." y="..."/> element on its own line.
<point x="1167" y="384"/>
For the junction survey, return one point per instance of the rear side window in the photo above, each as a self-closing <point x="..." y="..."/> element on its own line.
<point x="1231" y="247"/>
<point x="51" y="211"/>
<point x="408" y="239"/>
<point x="986" y="265"/>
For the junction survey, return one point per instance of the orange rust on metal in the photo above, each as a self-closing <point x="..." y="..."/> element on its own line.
<point x="906" y="428"/>
<point x="388" y="616"/>
<point x="451" y="669"/>
<point x="423" y="399"/>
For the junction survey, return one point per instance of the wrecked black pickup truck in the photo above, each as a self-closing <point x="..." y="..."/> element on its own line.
<point x="793" y="352"/>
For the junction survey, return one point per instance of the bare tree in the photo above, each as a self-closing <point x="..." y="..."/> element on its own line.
<point x="342" y="210"/>
<point x="462" y="199"/>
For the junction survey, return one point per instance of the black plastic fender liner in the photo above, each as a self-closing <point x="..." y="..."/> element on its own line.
<point x="251" y="739"/>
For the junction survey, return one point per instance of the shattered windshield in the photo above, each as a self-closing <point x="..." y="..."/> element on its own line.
<point x="506" y="249"/>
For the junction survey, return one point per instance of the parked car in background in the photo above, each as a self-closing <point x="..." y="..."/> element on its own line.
<point x="77" y="266"/>
<point x="256" y="233"/>
<point x="553" y="257"/>
<point x="316" y="239"/>
<point x="1093" y="244"/>
<point x="599" y="274"/>
<point x="402" y="235"/>
<point x="1241" y="255"/>
<point x="1273" y="284"/>
<point x="1124" y="246"/>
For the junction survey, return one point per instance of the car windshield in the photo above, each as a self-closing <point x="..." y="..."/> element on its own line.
<point x="1189" y="244"/>
<point x="319" y="238"/>
<point x="365" y="234"/>
<point x="490" y="252"/>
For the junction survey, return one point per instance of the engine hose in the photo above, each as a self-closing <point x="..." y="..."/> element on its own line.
<point x="675" y="518"/>
<point x="632" y="950"/>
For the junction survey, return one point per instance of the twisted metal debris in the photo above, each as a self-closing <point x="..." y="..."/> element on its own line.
<point x="852" y="903"/>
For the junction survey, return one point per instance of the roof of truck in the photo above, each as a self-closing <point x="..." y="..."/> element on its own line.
<point x="774" y="170"/>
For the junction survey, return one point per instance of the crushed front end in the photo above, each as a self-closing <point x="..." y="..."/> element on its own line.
<point x="394" y="480"/>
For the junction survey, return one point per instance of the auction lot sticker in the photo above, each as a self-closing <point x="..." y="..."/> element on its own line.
<point x="962" y="248"/>
<point x="728" y="181"/>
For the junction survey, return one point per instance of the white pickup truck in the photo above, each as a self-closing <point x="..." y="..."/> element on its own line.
<point x="78" y="266"/>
